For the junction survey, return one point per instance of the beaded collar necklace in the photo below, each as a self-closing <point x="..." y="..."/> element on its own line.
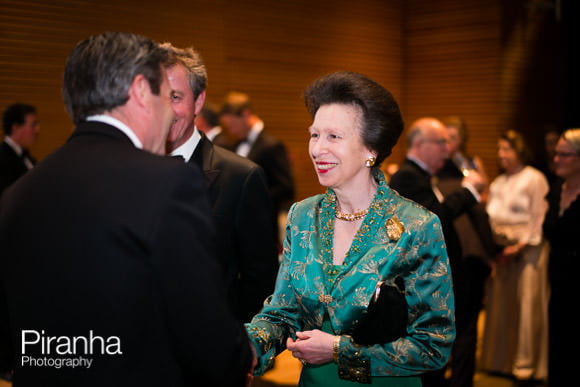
<point x="350" y="217"/>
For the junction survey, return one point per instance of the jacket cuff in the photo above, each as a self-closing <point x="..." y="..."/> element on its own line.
<point x="353" y="365"/>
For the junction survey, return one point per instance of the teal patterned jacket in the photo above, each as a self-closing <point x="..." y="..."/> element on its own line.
<point x="397" y="238"/>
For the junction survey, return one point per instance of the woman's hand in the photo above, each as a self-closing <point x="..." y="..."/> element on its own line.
<point x="513" y="250"/>
<point x="314" y="347"/>
<point x="509" y="252"/>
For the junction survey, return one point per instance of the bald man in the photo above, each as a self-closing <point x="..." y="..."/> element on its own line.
<point x="428" y="149"/>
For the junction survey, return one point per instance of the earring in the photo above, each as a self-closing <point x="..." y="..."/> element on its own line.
<point x="370" y="161"/>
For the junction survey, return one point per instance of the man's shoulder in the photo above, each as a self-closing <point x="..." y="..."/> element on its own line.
<point x="267" y="140"/>
<point x="105" y="148"/>
<point x="409" y="165"/>
<point x="404" y="172"/>
<point x="6" y="151"/>
<point x="408" y="211"/>
<point x="226" y="159"/>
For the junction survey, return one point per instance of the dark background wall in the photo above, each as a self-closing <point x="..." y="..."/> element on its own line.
<point x="498" y="65"/>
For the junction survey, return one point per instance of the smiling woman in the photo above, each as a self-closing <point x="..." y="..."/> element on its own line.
<point x="337" y="150"/>
<point x="341" y="245"/>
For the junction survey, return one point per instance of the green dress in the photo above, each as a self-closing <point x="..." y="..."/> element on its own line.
<point x="397" y="238"/>
<point x="327" y="374"/>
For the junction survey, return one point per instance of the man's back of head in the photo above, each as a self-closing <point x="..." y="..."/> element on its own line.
<point x="110" y="62"/>
<point x="120" y="75"/>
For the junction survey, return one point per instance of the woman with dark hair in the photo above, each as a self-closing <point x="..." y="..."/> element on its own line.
<point x="515" y="338"/>
<point x="561" y="226"/>
<point x="358" y="240"/>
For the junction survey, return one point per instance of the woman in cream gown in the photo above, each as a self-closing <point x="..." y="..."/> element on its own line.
<point x="515" y="336"/>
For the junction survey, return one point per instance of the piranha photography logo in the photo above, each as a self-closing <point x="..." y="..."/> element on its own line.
<point x="41" y="350"/>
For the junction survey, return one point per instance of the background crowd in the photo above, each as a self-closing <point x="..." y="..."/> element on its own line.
<point x="214" y="191"/>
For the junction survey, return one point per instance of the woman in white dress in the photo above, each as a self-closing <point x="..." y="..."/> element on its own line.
<point x="515" y="336"/>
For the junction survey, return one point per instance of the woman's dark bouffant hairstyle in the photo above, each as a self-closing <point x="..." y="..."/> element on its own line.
<point x="382" y="123"/>
<point x="518" y="143"/>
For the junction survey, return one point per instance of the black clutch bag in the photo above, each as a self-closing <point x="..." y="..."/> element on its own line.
<point x="386" y="317"/>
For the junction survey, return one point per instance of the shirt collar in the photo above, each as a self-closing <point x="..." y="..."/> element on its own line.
<point x="186" y="149"/>
<point x="119" y="125"/>
<point x="419" y="163"/>
<point x="213" y="132"/>
<point x="14" y="145"/>
<point x="255" y="132"/>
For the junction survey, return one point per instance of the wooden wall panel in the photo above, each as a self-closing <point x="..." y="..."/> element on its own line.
<point x="37" y="36"/>
<point x="276" y="55"/>
<point x="452" y="67"/>
<point x="491" y="62"/>
<point x="498" y="64"/>
<point x="270" y="49"/>
<point x="533" y="72"/>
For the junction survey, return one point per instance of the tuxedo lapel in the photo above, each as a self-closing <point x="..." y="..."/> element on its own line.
<point x="256" y="146"/>
<point x="203" y="158"/>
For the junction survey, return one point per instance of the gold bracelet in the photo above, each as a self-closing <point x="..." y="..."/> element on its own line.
<point x="335" y="348"/>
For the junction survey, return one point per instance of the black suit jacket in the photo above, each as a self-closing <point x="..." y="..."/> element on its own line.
<point x="245" y="225"/>
<point x="107" y="240"/>
<point x="11" y="166"/>
<point x="414" y="183"/>
<point x="472" y="226"/>
<point x="222" y="140"/>
<point x="270" y="153"/>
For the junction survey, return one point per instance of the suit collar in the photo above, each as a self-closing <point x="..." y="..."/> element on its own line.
<point x="13" y="145"/>
<point x="11" y="154"/>
<point x="100" y="129"/>
<point x="255" y="132"/>
<point x="186" y="149"/>
<point x="203" y="158"/>
<point x="119" y="125"/>
<point x="415" y="164"/>
<point x="257" y="144"/>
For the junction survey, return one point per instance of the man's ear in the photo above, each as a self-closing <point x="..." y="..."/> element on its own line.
<point x="140" y="90"/>
<point x="246" y="113"/>
<point x="15" y="128"/>
<point x="199" y="101"/>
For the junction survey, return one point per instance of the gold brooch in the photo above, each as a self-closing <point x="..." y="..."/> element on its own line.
<point x="327" y="299"/>
<point x="394" y="228"/>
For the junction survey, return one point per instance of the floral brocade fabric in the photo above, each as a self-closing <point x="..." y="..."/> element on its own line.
<point x="397" y="238"/>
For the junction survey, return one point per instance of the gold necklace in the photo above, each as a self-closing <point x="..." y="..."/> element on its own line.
<point x="350" y="217"/>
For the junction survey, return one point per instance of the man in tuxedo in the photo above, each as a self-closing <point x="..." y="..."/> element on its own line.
<point x="428" y="150"/>
<point x="207" y="121"/>
<point x="106" y="275"/>
<point x="478" y="248"/>
<point x="255" y="143"/>
<point x="239" y="199"/>
<point x="21" y="128"/>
